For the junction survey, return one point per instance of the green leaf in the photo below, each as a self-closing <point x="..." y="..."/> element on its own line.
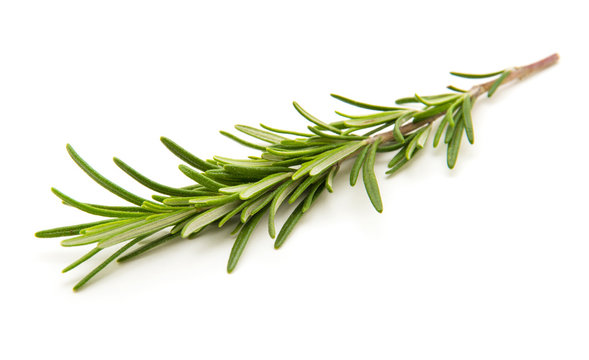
<point x="150" y="245"/>
<point x="234" y="189"/>
<point x="454" y="88"/>
<point x="293" y="219"/>
<point x="377" y="129"/>
<point x="369" y="177"/>
<point x="415" y="99"/>
<point x="422" y="137"/>
<point x="358" y="165"/>
<point x="397" y="158"/>
<point x="441" y="128"/>
<point x="81" y="260"/>
<point x="454" y="145"/>
<point x="410" y="148"/>
<point x="94" y="237"/>
<point x="284" y="131"/>
<point x="466" y="110"/>
<point x="201" y="178"/>
<point x="145" y="181"/>
<point x="241" y="162"/>
<point x="475" y="76"/>
<point x="450" y="130"/>
<point x="497" y="82"/>
<point x="281" y="194"/>
<point x="102" y="181"/>
<point x="307" y="166"/>
<point x="233" y="212"/>
<point x="206" y="201"/>
<point x="442" y="99"/>
<point x="238" y="227"/>
<point x="431" y="111"/>
<point x="449" y="115"/>
<point x="255" y="171"/>
<point x="335" y="137"/>
<point x="107" y="226"/>
<point x="106" y="262"/>
<point x="299" y="143"/>
<point x="328" y="161"/>
<point x="314" y="120"/>
<point x="136" y="209"/>
<point x="374" y="119"/>
<point x="93" y="210"/>
<point x="263" y="185"/>
<point x="399" y="164"/>
<point x="69" y="230"/>
<point x="395" y="145"/>
<point x="157" y="208"/>
<point x="260" y="134"/>
<point x="149" y="226"/>
<point x="180" y="225"/>
<point x="304" y="185"/>
<point x="244" y="235"/>
<point x="330" y="177"/>
<point x="364" y="105"/>
<point x="311" y="150"/>
<point x="186" y="156"/>
<point x="317" y="187"/>
<point x="207" y="217"/>
<point x="397" y="133"/>
<point x="294" y="161"/>
<point x="228" y="178"/>
<point x="256" y="206"/>
<point x="243" y="142"/>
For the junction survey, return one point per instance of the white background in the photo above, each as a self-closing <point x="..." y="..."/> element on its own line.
<point x="488" y="261"/>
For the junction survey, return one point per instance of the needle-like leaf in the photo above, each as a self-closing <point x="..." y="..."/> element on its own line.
<point x="147" y="227"/>
<point x="81" y="260"/>
<point x="263" y="184"/>
<point x="201" y="178"/>
<point x="207" y="217"/>
<point x="106" y="262"/>
<point x="150" y="245"/>
<point x="69" y="230"/>
<point x="244" y="234"/>
<point x="308" y="201"/>
<point x="358" y="165"/>
<point x="330" y="177"/>
<point x="186" y="156"/>
<point x="364" y="105"/>
<point x="294" y="218"/>
<point x="102" y="181"/>
<point x="328" y="161"/>
<point x="243" y="142"/>
<point x="281" y="194"/>
<point x="466" y="109"/>
<point x="498" y="82"/>
<point x="93" y="210"/>
<point x="279" y="131"/>
<point x="454" y="145"/>
<point x="260" y="134"/>
<point x="155" y="186"/>
<point x="476" y="76"/>
<point x="314" y="120"/>
<point x="369" y="177"/>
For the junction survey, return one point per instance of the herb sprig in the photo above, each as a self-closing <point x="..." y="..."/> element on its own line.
<point x="292" y="166"/>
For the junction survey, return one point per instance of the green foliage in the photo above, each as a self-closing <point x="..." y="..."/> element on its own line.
<point x="292" y="165"/>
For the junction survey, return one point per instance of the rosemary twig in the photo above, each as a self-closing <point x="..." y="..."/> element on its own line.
<point x="293" y="166"/>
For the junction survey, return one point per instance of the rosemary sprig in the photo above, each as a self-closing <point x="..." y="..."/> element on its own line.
<point x="292" y="166"/>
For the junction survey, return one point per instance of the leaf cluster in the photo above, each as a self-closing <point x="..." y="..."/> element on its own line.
<point x="292" y="166"/>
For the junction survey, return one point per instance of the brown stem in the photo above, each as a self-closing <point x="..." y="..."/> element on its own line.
<point x="475" y="92"/>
